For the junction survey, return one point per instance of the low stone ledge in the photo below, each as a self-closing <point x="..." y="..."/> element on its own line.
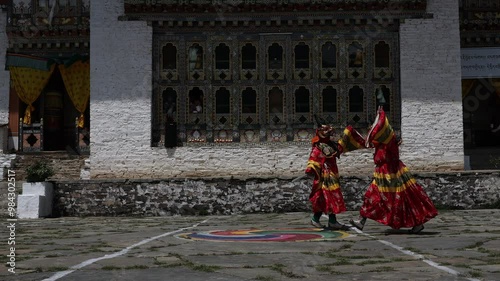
<point x="159" y="197"/>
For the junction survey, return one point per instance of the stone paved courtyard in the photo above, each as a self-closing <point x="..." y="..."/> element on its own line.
<point x="456" y="245"/>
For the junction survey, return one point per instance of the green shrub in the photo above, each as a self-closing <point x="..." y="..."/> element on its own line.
<point x="39" y="172"/>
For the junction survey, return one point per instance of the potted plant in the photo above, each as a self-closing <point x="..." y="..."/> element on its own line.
<point x="39" y="172"/>
<point x="36" y="199"/>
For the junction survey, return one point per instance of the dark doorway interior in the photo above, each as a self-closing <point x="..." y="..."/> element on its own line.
<point x="58" y="115"/>
<point x="481" y="105"/>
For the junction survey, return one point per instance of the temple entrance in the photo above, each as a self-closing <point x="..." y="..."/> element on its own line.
<point x="481" y="107"/>
<point x="58" y="115"/>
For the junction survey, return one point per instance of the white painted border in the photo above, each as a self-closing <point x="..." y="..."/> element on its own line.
<point x="415" y="255"/>
<point x="72" y="269"/>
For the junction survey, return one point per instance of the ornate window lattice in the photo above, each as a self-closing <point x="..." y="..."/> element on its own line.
<point x="356" y="60"/>
<point x="383" y="97"/>
<point x="382" y="57"/>
<point x="302" y="61"/>
<point x="222" y="64"/>
<point x="218" y="90"/>
<point x="302" y="103"/>
<point x="356" y="107"/>
<point x="275" y="69"/>
<point x="169" y="62"/>
<point x="275" y="106"/>
<point x="329" y="60"/>
<point x="195" y="62"/>
<point x="249" y="62"/>
<point x="60" y="9"/>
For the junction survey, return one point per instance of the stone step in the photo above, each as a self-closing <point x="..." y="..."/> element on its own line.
<point x="65" y="165"/>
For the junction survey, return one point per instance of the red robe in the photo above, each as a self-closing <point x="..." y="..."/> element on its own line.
<point x="326" y="195"/>
<point x="394" y="198"/>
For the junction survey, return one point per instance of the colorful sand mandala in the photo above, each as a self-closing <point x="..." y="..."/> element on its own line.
<point x="259" y="235"/>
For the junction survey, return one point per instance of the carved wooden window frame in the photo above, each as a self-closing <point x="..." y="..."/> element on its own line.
<point x="195" y="61"/>
<point x="249" y="73"/>
<point x="288" y="128"/>
<point x="221" y="73"/>
<point x="332" y="117"/>
<point x="329" y="72"/>
<point x="356" y="51"/>
<point x="302" y="73"/>
<point x="69" y="8"/>
<point x="382" y="72"/>
<point x="169" y="73"/>
<point x="275" y="117"/>
<point x="388" y="97"/>
<point x="273" y="73"/>
<point x="302" y="117"/>
<point x="357" y="118"/>
<point x="249" y="125"/>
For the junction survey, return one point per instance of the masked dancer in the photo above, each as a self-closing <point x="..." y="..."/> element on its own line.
<point x="326" y="195"/>
<point x="394" y="198"/>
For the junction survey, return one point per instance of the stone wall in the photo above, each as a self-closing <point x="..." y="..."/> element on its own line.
<point x="121" y="90"/>
<point x="231" y="196"/>
<point x="431" y="96"/>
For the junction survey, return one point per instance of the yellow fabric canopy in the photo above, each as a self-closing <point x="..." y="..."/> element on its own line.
<point x="76" y="78"/>
<point x="29" y="83"/>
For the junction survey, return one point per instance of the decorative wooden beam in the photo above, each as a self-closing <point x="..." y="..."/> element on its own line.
<point x="269" y="6"/>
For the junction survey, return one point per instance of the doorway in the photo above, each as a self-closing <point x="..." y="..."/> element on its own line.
<point x="58" y="115"/>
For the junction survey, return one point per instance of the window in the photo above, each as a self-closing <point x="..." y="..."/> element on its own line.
<point x="222" y="101"/>
<point x="382" y="54"/>
<point x="275" y="101"/>
<point x="275" y="56"/>
<point x="383" y="97"/>
<point x="356" y="99"/>
<point x="248" y="57"/>
<point x="195" y="57"/>
<point x="272" y="97"/>
<point x="329" y="99"/>
<point x="302" y="100"/>
<point x="169" y="53"/>
<point x="64" y="3"/>
<point x="222" y="57"/>
<point x="63" y="8"/>
<point x="249" y="101"/>
<point x="355" y="55"/>
<point x="302" y="56"/>
<point x="170" y="104"/>
<point x="196" y="100"/>
<point x="328" y="55"/>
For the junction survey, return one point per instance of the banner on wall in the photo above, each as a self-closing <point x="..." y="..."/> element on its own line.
<point x="480" y="63"/>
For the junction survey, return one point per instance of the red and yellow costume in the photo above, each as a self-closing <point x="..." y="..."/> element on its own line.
<point x="394" y="198"/>
<point x="326" y="195"/>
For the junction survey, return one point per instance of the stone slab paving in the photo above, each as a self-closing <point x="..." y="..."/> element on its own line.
<point x="456" y="245"/>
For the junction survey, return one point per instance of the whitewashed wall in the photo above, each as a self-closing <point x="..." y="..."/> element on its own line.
<point x="432" y="123"/>
<point x="121" y="75"/>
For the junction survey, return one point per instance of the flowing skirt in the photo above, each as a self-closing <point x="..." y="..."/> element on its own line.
<point x="396" y="199"/>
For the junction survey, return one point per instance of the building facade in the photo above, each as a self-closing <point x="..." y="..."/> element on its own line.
<point x="46" y="82"/>
<point x="480" y="42"/>
<point x="231" y="88"/>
